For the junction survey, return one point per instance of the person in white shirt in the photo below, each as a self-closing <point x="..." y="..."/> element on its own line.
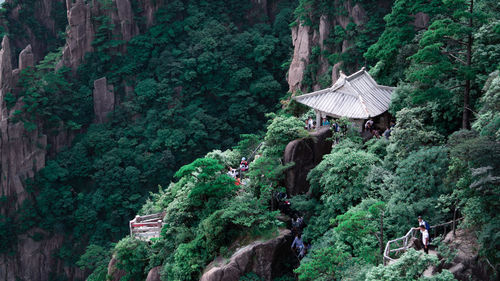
<point x="425" y="238"/>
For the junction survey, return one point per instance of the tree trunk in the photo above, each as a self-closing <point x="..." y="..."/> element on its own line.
<point x="466" y="109"/>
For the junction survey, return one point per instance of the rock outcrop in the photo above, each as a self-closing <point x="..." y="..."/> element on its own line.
<point x="261" y="258"/>
<point x="104" y="100"/>
<point x="22" y="154"/>
<point x="465" y="264"/>
<point x="154" y="274"/>
<point x="305" y="38"/>
<point x="44" y="14"/>
<point x="79" y="35"/>
<point x="83" y="26"/>
<point x="26" y="58"/>
<point x="306" y="154"/>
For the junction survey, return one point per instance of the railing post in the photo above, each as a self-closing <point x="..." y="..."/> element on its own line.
<point x="454" y="220"/>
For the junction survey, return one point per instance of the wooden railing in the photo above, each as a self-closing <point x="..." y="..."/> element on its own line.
<point x="146" y="227"/>
<point x="401" y="244"/>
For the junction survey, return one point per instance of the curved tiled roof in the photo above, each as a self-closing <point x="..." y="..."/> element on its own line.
<point x="357" y="96"/>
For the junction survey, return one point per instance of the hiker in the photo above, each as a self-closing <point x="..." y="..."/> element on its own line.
<point x="232" y="172"/>
<point x="325" y="122"/>
<point x="297" y="224"/>
<point x="297" y="244"/>
<point x="387" y="132"/>
<point x="304" y="250"/>
<point x="244" y="165"/>
<point x="368" y="125"/>
<point x="425" y="238"/>
<point x="424" y="223"/>
<point x="310" y="123"/>
<point x="237" y="180"/>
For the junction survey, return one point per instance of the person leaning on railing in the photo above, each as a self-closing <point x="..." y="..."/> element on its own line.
<point x="425" y="237"/>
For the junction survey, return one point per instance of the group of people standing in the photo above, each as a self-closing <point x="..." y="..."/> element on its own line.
<point x="311" y="124"/>
<point x="369" y="127"/>
<point x="236" y="173"/>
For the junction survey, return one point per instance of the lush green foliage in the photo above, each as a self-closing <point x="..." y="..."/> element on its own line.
<point x="410" y="266"/>
<point x="204" y="77"/>
<point x="199" y="60"/>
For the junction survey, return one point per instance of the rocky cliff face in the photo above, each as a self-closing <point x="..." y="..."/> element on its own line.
<point x="47" y="25"/>
<point x="260" y="257"/>
<point x="306" y="37"/>
<point x="22" y="154"/>
<point x="82" y="26"/>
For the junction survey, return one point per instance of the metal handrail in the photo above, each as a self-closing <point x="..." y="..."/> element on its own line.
<point x="146" y="227"/>
<point x="405" y="239"/>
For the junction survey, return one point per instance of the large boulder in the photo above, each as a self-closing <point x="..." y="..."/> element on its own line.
<point x="261" y="257"/>
<point x="306" y="153"/>
<point x="154" y="274"/>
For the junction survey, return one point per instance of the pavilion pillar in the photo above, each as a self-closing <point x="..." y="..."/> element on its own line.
<point x="318" y="118"/>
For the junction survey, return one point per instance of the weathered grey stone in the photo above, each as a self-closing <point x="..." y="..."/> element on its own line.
<point x="124" y="19"/>
<point x="421" y="20"/>
<point x="26" y="58"/>
<point x="154" y="274"/>
<point x="22" y="154"/>
<point x="301" y="39"/>
<point x="306" y="154"/>
<point x="260" y="257"/>
<point x="465" y="264"/>
<point x="304" y="38"/>
<point x="104" y="100"/>
<point x="80" y="33"/>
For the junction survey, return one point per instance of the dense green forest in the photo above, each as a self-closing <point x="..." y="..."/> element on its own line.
<point x="207" y="83"/>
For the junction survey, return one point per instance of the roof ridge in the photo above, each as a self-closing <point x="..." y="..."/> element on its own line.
<point x="363" y="104"/>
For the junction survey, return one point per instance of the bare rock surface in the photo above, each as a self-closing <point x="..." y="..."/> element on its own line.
<point x="22" y="154"/>
<point x="154" y="274"/>
<point x="82" y="27"/>
<point x="79" y="35"/>
<point x="306" y="154"/>
<point x="260" y="257"/>
<point x="104" y="99"/>
<point x="26" y="58"/>
<point x="465" y="264"/>
<point x="421" y="20"/>
<point x="301" y="39"/>
<point x="304" y="38"/>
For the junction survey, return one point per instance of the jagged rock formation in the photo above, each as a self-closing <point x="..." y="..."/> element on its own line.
<point x="304" y="38"/>
<point x="44" y="15"/>
<point x="82" y="28"/>
<point x="22" y="154"/>
<point x="261" y="257"/>
<point x="104" y="99"/>
<point x="306" y="154"/>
